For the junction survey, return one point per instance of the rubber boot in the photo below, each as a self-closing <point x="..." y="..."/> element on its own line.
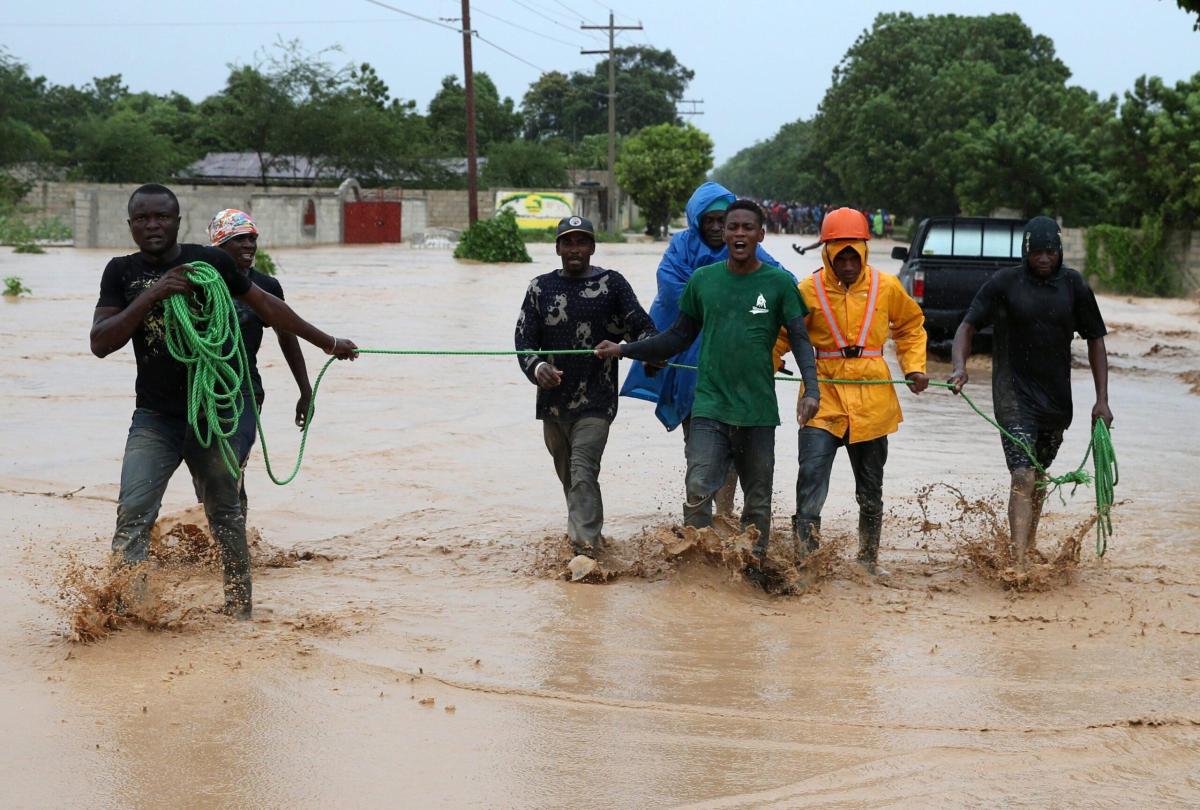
<point x="238" y="600"/>
<point x="806" y="537"/>
<point x="869" y="528"/>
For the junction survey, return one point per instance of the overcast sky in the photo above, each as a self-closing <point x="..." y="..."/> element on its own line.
<point x="788" y="47"/>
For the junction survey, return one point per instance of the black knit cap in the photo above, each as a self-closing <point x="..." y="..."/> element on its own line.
<point x="1041" y="233"/>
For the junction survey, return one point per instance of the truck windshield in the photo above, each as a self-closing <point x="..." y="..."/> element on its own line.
<point x="982" y="240"/>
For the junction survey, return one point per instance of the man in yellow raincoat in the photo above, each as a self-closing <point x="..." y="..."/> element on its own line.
<point x="852" y="310"/>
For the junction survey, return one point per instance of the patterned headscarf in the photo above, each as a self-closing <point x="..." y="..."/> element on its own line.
<point x="228" y="224"/>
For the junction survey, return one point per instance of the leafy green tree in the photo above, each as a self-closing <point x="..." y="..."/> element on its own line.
<point x="1159" y="132"/>
<point x="946" y="114"/>
<point x="650" y="84"/>
<point x="496" y="121"/>
<point x="1192" y="6"/>
<point x="21" y="140"/>
<point x="125" y="148"/>
<point x="774" y="168"/>
<point x="523" y="164"/>
<point x="660" y="167"/>
<point x="891" y="125"/>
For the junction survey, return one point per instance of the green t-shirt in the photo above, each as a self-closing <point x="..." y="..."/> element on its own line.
<point x="741" y="317"/>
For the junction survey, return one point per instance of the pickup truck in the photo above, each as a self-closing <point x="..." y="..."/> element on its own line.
<point x="949" y="260"/>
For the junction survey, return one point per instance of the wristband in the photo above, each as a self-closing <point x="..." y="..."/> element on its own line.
<point x="538" y="366"/>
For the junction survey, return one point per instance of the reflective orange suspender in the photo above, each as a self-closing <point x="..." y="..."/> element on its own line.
<point x="845" y="349"/>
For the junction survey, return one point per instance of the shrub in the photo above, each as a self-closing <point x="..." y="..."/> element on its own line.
<point x="1132" y="260"/>
<point x="28" y="247"/>
<point x="264" y="264"/>
<point x="13" y="286"/>
<point x="493" y="240"/>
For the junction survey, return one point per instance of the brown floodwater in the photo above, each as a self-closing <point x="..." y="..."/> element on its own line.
<point x="414" y="645"/>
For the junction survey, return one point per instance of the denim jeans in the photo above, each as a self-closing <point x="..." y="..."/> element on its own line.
<point x="577" y="448"/>
<point x="817" y="449"/>
<point x="156" y="445"/>
<point x="242" y="442"/>
<point x="711" y="448"/>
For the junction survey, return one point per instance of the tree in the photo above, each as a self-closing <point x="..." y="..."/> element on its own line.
<point x="660" y="167"/>
<point x="1159" y="131"/>
<point x="125" y="148"/>
<point x="495" y="119"/>
<point x="650" y="84"/>
<point x="773" y="168"/>
<point x="1192" y="6"/>
<point x="21" y="141"/>
<point x="522" y="164"/>
<point x="890" y="126"/>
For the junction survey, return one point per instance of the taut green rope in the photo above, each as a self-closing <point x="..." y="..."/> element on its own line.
<point x="203" y="333"/>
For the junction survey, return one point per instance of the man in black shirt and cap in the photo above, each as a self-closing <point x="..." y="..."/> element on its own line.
<point x="133" y="290"/>
<point x="576" y="307"/>
<point x="1035" y="308"/>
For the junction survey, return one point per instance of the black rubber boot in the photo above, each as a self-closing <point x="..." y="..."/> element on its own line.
<point x="869" y="528"/>
<point x="806" y="537"/>
<point x="238" y="600"/>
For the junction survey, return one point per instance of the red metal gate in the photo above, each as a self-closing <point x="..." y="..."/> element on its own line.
<point x="371" y="222"/>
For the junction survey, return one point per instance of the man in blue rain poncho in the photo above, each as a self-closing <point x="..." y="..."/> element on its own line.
<point x="703" y="243"/>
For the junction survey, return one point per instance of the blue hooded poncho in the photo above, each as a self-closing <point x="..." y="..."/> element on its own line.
<point x="673" y="388"/>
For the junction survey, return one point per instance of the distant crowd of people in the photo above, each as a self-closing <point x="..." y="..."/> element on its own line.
<point x="798" y="218"/>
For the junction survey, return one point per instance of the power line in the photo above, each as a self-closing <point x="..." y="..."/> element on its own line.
<point x="190" y="23"/>
<point x="549" y="20"/>
<point x="574" y="13"/>
<point x="498" y="18"/>
<point x="415" y="16"/>
<point x="510" y="53"/>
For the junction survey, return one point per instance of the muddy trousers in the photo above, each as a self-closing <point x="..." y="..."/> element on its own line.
<point x="867" y="459"/>
<point x="241" y="442"/>
<point x="156" y="445"/>
<point x="577" y="448"/>
<point x="711" y="448"/>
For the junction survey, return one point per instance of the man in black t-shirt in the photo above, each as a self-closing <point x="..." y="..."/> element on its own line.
<point x="130" y="307"/>
<point x="235" y="233"/>
<point x="576" y="307"/>
<point x="1035" y="308"/>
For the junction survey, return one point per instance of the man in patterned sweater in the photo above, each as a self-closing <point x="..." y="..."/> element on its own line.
<point x="576" y="307"/>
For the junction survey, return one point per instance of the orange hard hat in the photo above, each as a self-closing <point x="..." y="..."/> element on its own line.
<point x="844" y="223"/>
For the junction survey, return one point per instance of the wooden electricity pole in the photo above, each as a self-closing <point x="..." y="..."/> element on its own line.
<point x="612" y="29"/>
<point x="469" y="86"/>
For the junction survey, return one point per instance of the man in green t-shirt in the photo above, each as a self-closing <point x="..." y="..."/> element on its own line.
<point x="741" y="304"/>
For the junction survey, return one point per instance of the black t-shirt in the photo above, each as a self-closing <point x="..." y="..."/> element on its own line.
<point x="1035" y="320"/>
<point x="161" y="379"/>
<point x="253" y="326"/>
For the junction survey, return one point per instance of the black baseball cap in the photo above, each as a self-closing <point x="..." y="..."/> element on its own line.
<point x="568" y="225"/>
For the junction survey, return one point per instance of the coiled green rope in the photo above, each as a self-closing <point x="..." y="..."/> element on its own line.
<point x="203" y="333"/>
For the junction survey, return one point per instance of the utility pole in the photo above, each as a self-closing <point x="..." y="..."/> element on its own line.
<point x="612" y="29"/>
<point x="469" y="85"/>
<point x="694" y="110"/>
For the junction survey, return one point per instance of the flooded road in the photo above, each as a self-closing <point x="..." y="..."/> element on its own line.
<point x="412" y="647"/>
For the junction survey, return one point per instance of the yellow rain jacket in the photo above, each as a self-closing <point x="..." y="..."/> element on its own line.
<point x="866" y="411"/>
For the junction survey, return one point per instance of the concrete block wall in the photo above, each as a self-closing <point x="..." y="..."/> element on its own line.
<point x="1183" y="247"/>
<point x="1074" y="248"/>
<point x="99" y="214"/>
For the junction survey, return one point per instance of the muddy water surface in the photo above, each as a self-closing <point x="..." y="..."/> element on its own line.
<point x="411" y="645"/>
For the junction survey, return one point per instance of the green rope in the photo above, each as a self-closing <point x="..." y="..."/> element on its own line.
<point x="203" y="333"/>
